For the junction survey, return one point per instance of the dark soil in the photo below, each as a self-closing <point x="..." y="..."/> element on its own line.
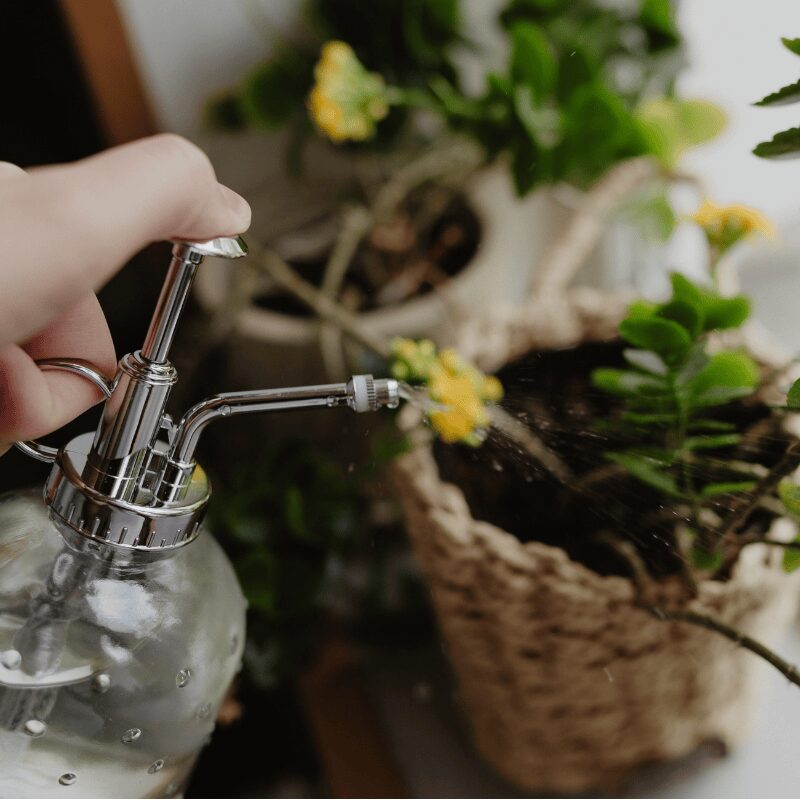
<point x="552" y="391"/>
<point x="426" y="243"/>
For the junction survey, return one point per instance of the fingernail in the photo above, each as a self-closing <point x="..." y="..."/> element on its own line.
<point x="239" y="207"/>
<point x="4" y="447"/>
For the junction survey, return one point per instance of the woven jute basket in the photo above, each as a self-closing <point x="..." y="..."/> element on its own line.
<point x="566" y="682"/>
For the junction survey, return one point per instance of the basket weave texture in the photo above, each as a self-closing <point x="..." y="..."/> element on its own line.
<point x="565" y="681"/>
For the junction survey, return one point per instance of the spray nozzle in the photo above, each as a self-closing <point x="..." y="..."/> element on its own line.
<point x="125" y="484"/>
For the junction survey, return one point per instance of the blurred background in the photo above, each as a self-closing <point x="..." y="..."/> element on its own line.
<point x="346" y="690"/>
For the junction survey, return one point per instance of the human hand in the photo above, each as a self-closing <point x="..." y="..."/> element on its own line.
<point x="65" y="230"/>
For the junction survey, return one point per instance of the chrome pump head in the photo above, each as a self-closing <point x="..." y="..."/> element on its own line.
<point x="134" y="482"/>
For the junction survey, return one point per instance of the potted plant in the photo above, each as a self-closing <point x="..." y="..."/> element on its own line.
<point x="589" y="579"/>
<point x="460" y="211"/>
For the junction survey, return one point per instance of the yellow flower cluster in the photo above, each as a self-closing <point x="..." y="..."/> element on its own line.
<point x="459" y="390"/>
<point x="726" y="225"/>
<point x="346" y="100"/>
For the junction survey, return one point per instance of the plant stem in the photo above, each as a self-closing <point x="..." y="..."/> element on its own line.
<point x="276" y="268"/>
<point x="747" y="504"/>
<point x="788" y="670"/>
<point x="643" y="584"/>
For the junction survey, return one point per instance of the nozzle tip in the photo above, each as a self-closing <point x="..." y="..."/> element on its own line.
<point x="367" y="394"/>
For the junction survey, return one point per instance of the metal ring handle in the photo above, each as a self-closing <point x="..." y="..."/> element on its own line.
<point x="42" y="452"/>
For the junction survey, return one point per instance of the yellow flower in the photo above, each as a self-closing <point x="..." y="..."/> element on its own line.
<point x="346" y="100"/>
<point x="726" y="225"/>
<point x="464" y="412"/>
<point x="458" y="389"/>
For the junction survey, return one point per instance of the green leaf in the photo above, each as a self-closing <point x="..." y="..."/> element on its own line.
<point x="791" y="44"/>
<point x="708" y="561"/>
<point x="647" y="470"/>
<point x="533" y="62"/>
<point x="722" y="313"/>
<point x="645" y="419"/>
<point x="663" y="336"/>
<point x="541" y="124"/>
<point x="710" y="425"/>
<point x="684" y="289"/>
<point x="693" y="364"/>
<point x="727" y="376"/>
<point x="625" y="382"/>
<point x="784" y="96"/>
<point x="645" y="360"/>
<point x="671" y="126"/>
<point x="711" y="442"/>
<point x="274" y="90"/>
<point x="258" y="575"/>
<point x="660" y="15"/>
<point x="789" y="494"/>
<point x="791" y="558"/>
<point x="785" y="144"/>
<point x="729" y="487"/>
<point x="793" y="395"/>
<point x="686" y="314"/>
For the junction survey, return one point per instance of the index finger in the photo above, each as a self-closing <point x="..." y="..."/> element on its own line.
<point x="65" y="230"/>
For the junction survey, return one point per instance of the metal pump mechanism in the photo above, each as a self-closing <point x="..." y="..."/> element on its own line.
<point x="134" y="483"/>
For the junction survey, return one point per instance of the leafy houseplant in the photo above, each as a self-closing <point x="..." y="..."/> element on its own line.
<point x="785" y="144"/>
<point x="586" y="87"/>
<point x="579" y="604"/>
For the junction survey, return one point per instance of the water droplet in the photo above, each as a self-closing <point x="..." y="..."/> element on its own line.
<point x="234" y="643"/>
<point x="172" y="788"/>
<point x="497" y="466"/>
<point x="67" y="779"/>
<point x="183" y="677"/>
<point x="156" y="766"/>
<point x="131" y="735"/>
<point x="204" y="712"/>
<point x="101" y="683"/>
<point x="35" y="728"/>
<point x="11" y="659"/>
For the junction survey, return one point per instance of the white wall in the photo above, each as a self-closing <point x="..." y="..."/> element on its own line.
<point x="187" y="49"/>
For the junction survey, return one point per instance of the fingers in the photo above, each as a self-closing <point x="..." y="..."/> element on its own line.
<point x="65" y="230"/>
<point x="33" y="402"/>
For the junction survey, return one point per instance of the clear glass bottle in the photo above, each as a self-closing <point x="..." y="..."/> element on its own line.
<point x="121" y="620"/>
<point x="113" y="664"/>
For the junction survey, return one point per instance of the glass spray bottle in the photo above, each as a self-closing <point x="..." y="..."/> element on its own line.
<point x="121" y="620"/>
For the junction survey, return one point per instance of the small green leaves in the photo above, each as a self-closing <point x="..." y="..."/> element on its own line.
<point x="785" y="144"/>
<point x="727" y="376"/>
<point x="706" y="560"/>
<point x="649" y="471"/>
<point x="672" y="385"/>
<point x="793" y="45"/>
<point x="791" y="558"/>
<point x="793" y="396"/>
<point x="789" y="493"/>
<point x="533" y="62"/>
<point x="625" y="382"/>
<point x="726" y="487"/>
<point x="784" y="96"/>
<point x="666" y="338"/>
<point x="671" y="126"/>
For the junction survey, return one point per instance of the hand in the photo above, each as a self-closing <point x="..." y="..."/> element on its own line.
<point x="65" y="230"/>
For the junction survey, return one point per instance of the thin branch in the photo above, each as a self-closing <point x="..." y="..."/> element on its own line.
<point x="788" y="670"/>
<point x="643" y="584"/>
<point x="747" y="504"/>
<point x="276" y="268"/>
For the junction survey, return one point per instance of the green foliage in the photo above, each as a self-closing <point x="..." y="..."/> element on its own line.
<point x="793" y="396"/>
<point x="671" y="390"/>
<point x="671" y="126"/>
<point x="785" y="144"/>
<point x="285" y="521"/>
<point x="406" y="41"/>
